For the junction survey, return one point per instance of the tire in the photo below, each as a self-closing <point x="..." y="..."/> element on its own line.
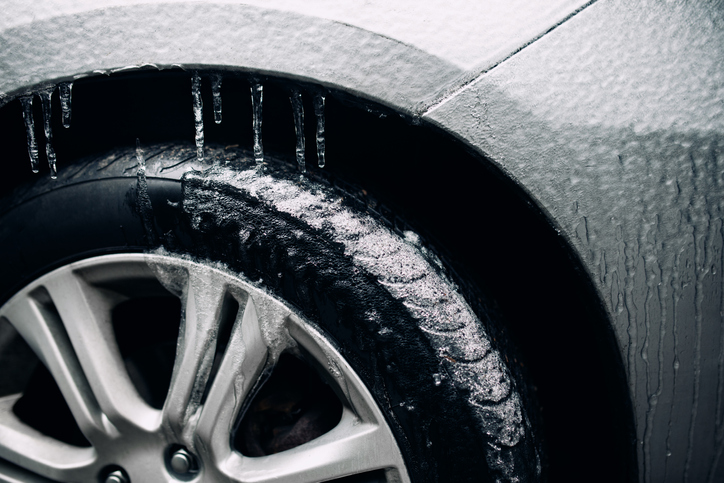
<point x="378" y="298"/>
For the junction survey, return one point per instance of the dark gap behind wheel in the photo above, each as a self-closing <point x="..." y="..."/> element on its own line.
<point x="146" y="330"/>
<point x="293" y="407"/>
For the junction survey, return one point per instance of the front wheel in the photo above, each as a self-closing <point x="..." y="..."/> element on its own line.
<point x="311" y="342"/>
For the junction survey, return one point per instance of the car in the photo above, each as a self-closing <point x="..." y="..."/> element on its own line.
<point x="355" y="242"/>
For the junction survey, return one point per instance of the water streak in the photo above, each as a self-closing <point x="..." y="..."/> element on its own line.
<point x="719" y="415"/>
<point x="45" y="98"/>
<point x="216" y="80"/>
<point x="27" y="103"/>
<point x="257" y="98"/>
<point x="319" y="112"/>
<point x="298" y="108"/>
<point x="702" y="260"/>
<point x="676" y="298"/>
<point x="198" y="115"/>
<point x="66" y="95"/>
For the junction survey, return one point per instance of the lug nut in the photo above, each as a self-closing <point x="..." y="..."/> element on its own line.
<point x="182" y="462"/>
<point x="117" y="476"/>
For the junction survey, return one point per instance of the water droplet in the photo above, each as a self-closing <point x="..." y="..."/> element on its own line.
<point x="319" y="112"/>
<point x="257" y="98"/>
<point x="668" y="453"/>
<point x="676" y="364"/>
<point x="437" y="378"/>
<point x="298" y="108"/>
<point x="45" y="97"/>
<point x="198" y="114"/>
<point x="27" y="103"/>
<point x="66" y="94"/>
<point x="216" y="80"/>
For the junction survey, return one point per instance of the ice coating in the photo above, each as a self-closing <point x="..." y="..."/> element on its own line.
<point x="45" y="98"/>
<point x="272" y="321"/>
<point x="27" y="104"/>
<point x="319" y="112"/>
<point x="257" y="98"/>
<point x="144" y="201"/>
<point x="198" y="115"/>
<point x="140" y="156"/>
<point x="216" y="80"/>
<point x="298" y="109"/>
<point x="65" y="90"/>
<point x="451" y="327"/>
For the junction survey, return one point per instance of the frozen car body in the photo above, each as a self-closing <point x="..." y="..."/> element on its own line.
<point x="608" y="114"/>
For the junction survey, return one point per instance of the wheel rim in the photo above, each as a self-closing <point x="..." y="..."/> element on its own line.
<point x="65" y="317"/>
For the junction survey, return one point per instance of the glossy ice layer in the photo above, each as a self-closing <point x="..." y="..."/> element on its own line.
<point x="412" y="275"/>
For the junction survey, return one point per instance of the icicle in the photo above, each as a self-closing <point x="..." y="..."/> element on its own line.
<point x="216" y="91"/>
<point x="27" y="103"/>
<point x="298" y="109"/>
<point x="257" y="97"/>
<point x="198" y="115"/>
<point x="66" y="92"/>
<point x="45" y="97"/>
<point x="319" y="112"/>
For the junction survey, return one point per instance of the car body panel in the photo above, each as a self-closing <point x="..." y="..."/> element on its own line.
<point x="614" y="123"/>
<point x="395" y="53"/>
<point x="609" y="114"/>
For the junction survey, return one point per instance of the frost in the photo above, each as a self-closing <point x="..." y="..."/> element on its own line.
<point x="27" y="103"/>
<point x="257" y="98"/>
<point x="198" y="115"/>
<point x="319" y="112"/>
<point x="45" y="97"/>
<point x="298" y="108"/>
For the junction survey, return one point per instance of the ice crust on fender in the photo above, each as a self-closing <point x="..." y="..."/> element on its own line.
<point x="410" y="274"/>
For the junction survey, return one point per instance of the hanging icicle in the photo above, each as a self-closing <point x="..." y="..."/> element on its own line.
<point x="198" y="115"/>
<point x="45" y="98"/>
<point x="27" y="103"/>
<point x="216" y="92"/>
<point x="298" y="108"/>
<point x="257" y="97"/>
<point x="66" y="92"/>
<point x="319" y="112"/>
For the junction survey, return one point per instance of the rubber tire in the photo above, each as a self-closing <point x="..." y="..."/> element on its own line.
<point x="458" y="411"/>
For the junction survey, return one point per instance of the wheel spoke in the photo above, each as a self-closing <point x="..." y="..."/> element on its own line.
<point x="43" y="455"/>
<point x="43" y="330"/>
<point x="86" y="315"/>
<point x="203" y="301"/>
<point x="352" y="447"/>
<point x="243" y="362"/>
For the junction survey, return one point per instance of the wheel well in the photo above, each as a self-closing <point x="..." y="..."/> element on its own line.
<point x="479" y="220"/>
